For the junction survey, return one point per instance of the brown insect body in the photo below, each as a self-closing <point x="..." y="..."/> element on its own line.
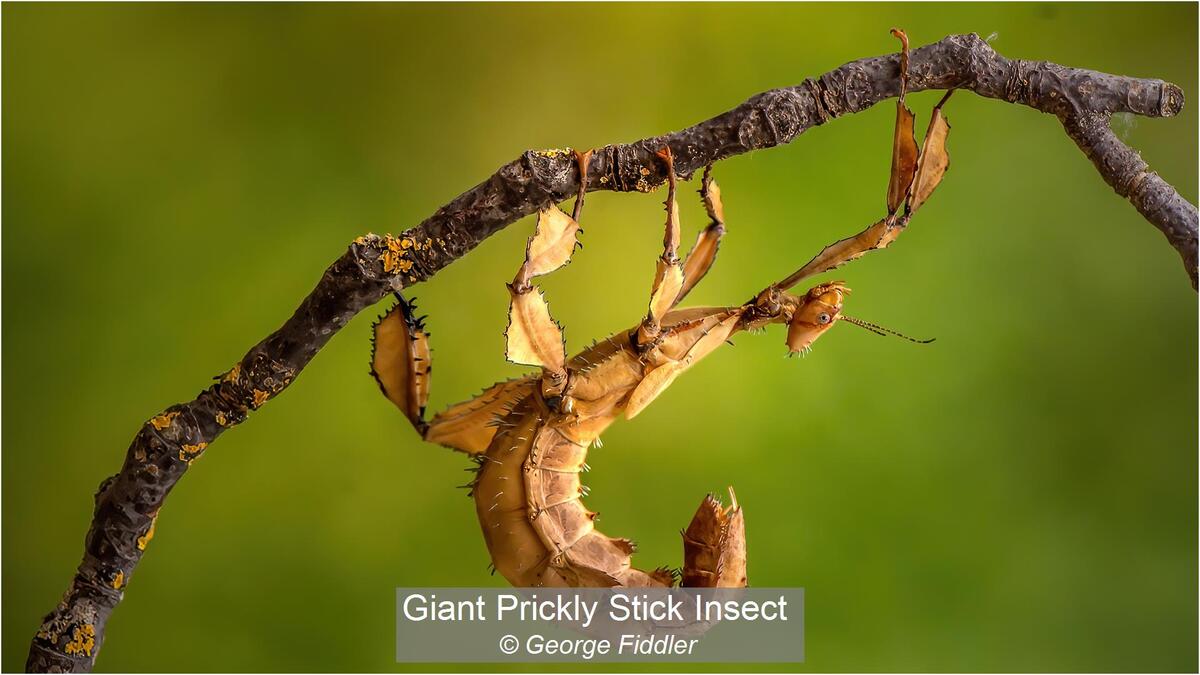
<point x="532" y="448"/>
<point x="528" y="491"/>
<point x="530" y="436"/>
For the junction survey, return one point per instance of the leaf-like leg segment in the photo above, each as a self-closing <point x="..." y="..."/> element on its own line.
<point x="838" y="253"/>
<point x="401" y="362"/>
<point x="668" y="274"/>
<point x="471" y="425"/>
<point x="904" y="142"/>
<point x="714" y="546"/>
<point x="935" y="160"/>
<point x="704" y="253"/>
<point x="550" y="247"/>
<point x="533" y="338"/>
<point x="657" y="380"/>
<point x="915" y="174"/>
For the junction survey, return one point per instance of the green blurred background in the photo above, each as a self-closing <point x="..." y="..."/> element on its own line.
<point x="1021" y="495"/>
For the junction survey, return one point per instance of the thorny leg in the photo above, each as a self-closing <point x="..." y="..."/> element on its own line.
<point x="704" y="253"/>
<point x="914" y="176"/>
<point x="668" y="276"/>
<point x="400" y="363"/>
<point x="400" y="360"/>
<point x="533" y="338"/>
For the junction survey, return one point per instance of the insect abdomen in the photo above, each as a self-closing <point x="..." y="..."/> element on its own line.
<point x="499" y="491"/>
<point x="535" y="525"/>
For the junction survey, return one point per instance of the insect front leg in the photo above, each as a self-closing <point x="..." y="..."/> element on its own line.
<point x="704" y="253"/>
<point x="914" y="175"/>
<point x="533" y="338"/>
<point x="668" y="274"/>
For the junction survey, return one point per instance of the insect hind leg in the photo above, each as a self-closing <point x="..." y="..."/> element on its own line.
<point x="401" y="361"/>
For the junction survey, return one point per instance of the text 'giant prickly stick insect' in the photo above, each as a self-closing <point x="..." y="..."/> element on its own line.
<point x="530" y="435"/>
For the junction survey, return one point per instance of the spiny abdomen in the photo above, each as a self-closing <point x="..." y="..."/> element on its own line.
<point x="499" y="492"/>
<point x="528" y="497"/>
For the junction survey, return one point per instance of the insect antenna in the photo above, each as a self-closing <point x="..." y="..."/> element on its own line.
<point x="880" y="330"/>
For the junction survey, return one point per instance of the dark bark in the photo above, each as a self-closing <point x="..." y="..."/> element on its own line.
<point x="128" y="503"/>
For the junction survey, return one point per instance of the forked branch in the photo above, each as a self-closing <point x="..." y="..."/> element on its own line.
<point x="127" y="504"/>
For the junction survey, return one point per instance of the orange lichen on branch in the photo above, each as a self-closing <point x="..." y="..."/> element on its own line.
<point x="394" y="261"/>
<point x="118" y="581"/>
<point x="260" y="397"/>
<point x="395" y="258"/>
<point x="188" y="453"/>
<point x="163" y="421"/>
<point x="145" y="538"/>
<point x="83" y="639"/>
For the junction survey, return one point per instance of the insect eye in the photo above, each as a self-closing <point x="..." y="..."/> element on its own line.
<point x="824" y="318"/>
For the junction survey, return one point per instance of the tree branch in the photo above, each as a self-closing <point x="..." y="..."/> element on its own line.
<point x="127" y="504"/>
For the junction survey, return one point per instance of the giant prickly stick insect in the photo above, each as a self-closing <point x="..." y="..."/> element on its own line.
<point x="530" y="435"/>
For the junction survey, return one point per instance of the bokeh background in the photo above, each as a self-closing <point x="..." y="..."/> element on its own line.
<point x="1020" y="495"/>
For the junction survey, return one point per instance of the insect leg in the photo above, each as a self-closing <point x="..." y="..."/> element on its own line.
<point x="400" y="361"/>
<point x="471" y="425"/>
<point x="668" y="275"/>
<point x="401" y="365"/>
<point x="704" y="253"/>
<point x="914" y="176"/>
<point x="838" y="253"/>
<point x="533" y="338"/>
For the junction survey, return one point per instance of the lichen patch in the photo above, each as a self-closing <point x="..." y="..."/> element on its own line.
<point x="163" y="421"/>
<point x="260" y="397"/>
<point x="145" y="538"/>
<point x="189" y="453"/>
<point x="83" y="640"/>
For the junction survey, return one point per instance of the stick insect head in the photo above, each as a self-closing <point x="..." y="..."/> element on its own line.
<point x="814" y="313"/>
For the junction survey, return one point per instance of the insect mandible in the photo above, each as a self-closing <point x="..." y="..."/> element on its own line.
<point x="530" y="436"/>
